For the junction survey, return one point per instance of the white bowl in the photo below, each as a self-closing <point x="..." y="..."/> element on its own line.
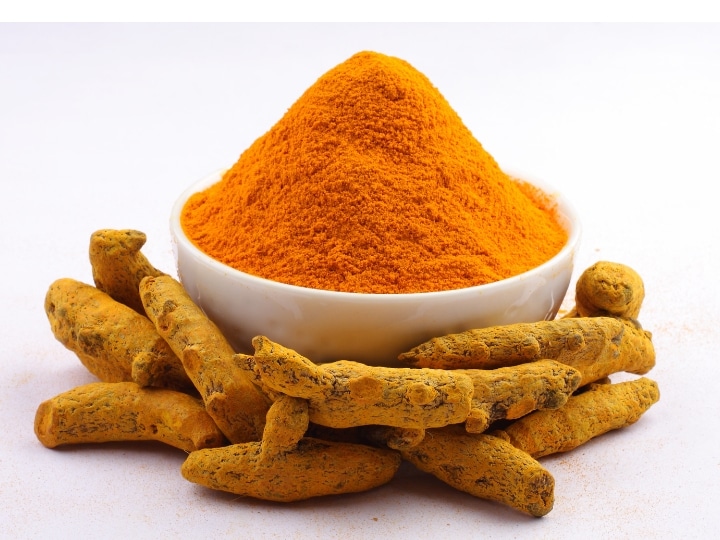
<point x="371" y="328"/>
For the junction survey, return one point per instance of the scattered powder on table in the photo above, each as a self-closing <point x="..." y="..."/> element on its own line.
<point x="371" y="183"/>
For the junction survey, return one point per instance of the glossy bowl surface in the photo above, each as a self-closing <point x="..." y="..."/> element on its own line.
<point x="371" y="328"/>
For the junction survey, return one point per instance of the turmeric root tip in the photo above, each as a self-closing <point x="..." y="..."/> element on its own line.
<point x="601" y="408"/>
<point x="118" y="266"/>
<point x="485" y="466"/>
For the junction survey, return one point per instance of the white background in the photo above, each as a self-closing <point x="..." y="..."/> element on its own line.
<point x="102" y="126"/>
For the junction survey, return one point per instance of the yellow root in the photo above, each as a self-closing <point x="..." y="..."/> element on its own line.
<point x="601" y="408"/>
<point x="287" y="422"/>
<point x="118" y="266"/>
<point x="346" y="394"/>
<point x="287" y="466"/>
<point x="235" y="403"/>
<point x="113" y="341"/>
<point x="596" y="346"/>
<point x="314" y="468"/>
<point x="485" y="466"/>
<point x="512" y="392"/>
<point x="106" y="412"/>
<point x="608" y="289"/>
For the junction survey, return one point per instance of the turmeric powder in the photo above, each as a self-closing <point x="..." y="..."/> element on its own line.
<point x="372" y="183"/>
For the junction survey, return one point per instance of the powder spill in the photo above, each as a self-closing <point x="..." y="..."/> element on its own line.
<point x="372" y="183"/>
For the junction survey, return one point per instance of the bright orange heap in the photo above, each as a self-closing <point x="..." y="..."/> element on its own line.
<point x="372" y="183"/>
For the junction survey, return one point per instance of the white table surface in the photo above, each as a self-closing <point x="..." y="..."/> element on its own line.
<point x="102" y="126"/>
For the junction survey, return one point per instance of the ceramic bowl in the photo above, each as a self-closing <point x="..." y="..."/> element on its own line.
<point x="371" y="328"/>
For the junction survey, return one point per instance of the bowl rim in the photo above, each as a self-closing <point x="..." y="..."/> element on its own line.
<point x="565" y="209"/>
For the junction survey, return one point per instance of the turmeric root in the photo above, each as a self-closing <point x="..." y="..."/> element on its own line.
<point x="346" y="394"/>
<point x="601" y="408"/>
<point x="512" y="392"/>
<point x="114" y="342"/>
<point x="287" y="422"/>
<point x="314" y="468"/>
<point x="104" y="412"/>
<point x="485" y="466"/>
<point x="232" y="399"/>
<point x="608" y="289"/>
<point x="118" y="266"/>
<point x="597" y="347"/>
<point x="286" y="466"/>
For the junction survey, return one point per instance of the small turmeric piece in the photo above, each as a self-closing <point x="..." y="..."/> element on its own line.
<point x="113" y="341"/>
<point x="608" y="289"/>
<point x="118" y="266"/>
<point x="232" y="399"/>
<point x="485" y="466"/>
<point x="286" y="466"/>
<point x="123" y="411"/>
<point x="601" y="408"/>
<point x="512" y="392"/>
<point x="596" y="346"/>
<point x="345" y="394"/>
<point x="286" y="423"/>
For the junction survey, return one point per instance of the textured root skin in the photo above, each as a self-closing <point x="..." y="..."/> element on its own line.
<point x="601" y="408"/>
<point x="512" y="392"/>
<point x="597" y="346"/>
<point x="486" y="467"/>
<point x="608" y="289"/>
<point x="118" y="266"/>
<point x="149" y="369"/>
<point x="113" y="341"/>
<point x="346" y="394"/>
<point x="288" y="466"/>
<point x="106" y="412"/>
<point x="287" y="422"/>
<point x="246" y="362"/>
<point x="235" y="403"/>
<point x="313" y="468"/>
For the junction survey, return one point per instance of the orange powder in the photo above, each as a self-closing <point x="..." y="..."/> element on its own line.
<point x="372" y="183"/>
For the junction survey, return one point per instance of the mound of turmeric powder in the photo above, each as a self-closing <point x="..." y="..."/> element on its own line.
<point x="372" y="183"/>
